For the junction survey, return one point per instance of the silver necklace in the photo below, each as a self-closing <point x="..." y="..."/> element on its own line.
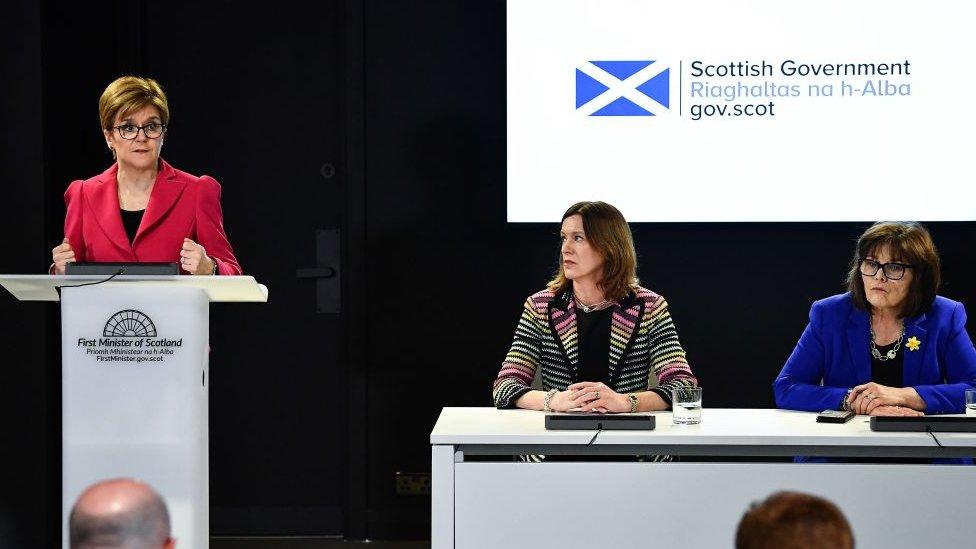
<point x="590" y="308"/>
<point x="892" y="353"/>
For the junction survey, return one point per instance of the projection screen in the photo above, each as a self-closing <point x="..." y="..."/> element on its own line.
<point x="759" y="110"/>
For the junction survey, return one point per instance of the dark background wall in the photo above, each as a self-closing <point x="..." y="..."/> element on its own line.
<point x="313" y="414"/>
<point x="25" y="402"/>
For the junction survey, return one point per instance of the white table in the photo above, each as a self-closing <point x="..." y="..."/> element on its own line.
<point x="626" y="504"/>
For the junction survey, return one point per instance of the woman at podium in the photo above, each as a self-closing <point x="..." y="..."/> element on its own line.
<point x="142" y="209"/>
<point x="889" y="345"/>
<point x="594" y="332"/>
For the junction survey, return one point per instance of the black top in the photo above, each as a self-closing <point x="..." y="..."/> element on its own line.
<point x="593" y="331"/>
<point x="888" y="372"/>
<point x="131" y="221"/>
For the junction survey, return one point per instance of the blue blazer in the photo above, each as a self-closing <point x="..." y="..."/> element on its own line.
<point x="834" y="354"/>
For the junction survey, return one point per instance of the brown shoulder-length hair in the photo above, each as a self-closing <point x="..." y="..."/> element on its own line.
<point x="907" y="242"/>
<point x="609" y="234"/>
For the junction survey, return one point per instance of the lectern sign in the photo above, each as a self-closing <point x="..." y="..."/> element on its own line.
<point x="134" y="377"/>
<point x="130" y="336"/>
<point x="134" y="395"/>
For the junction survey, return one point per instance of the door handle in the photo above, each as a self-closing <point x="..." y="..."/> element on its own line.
<point x="328" y="288"/>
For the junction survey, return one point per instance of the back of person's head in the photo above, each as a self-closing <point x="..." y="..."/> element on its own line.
<point x="122" y="513"/>
<point x="791" y="520"/>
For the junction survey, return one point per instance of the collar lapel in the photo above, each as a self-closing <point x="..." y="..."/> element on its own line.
<point x="859" y="342"/>
<point x="166" y="191"/>
<point x="912" y="369"/>
<point x="623" y="327"/>
<point x="562" y="321"/>
<point x="103" y="199"/>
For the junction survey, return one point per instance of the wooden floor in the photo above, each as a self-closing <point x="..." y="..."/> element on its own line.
<point x="312" y="543"/>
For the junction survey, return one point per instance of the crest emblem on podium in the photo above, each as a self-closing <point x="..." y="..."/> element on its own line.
<point x="129" y="323"/>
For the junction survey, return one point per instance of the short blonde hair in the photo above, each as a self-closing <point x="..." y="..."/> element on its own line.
<point x="129" y="94"/>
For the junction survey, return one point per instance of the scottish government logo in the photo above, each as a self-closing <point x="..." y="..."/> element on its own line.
<point x="622" y="88"/>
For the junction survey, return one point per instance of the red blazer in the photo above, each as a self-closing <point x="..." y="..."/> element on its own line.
<point x="180" y="206"/>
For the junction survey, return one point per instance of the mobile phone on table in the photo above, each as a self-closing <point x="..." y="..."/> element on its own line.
<point x="834" y="416"/>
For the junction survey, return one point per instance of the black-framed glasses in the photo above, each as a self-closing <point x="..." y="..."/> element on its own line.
<point x="892" y="270"/>
<point x="130" y="131"/>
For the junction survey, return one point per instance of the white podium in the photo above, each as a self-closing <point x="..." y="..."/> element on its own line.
<point x="134" y="383"/>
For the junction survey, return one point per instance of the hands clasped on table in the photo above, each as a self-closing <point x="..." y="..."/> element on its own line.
<point x="590" y="396"/>
<point x="880" y="400"/>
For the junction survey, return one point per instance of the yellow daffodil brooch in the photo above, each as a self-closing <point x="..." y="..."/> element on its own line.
<point x="913" y="343"/>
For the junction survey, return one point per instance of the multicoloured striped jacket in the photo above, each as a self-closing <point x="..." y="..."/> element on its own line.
<point x="642" y="339"/>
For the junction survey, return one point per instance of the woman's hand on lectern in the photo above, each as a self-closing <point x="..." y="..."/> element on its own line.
<point x="194" y="260"/>
<point x="62" y="254"/>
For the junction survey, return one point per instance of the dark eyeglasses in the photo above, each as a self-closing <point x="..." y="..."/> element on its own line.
<point x="892" y="270"/>
<point x="130" y="131"/>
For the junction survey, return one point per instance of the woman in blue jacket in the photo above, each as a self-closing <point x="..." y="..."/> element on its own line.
<point x="889" y="345"/>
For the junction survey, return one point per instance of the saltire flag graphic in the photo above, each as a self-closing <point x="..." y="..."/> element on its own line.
<point x="622" y="88"/>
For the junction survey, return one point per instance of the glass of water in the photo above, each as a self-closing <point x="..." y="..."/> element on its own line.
<point x="686" y="403"/>
<point x="971" y="402"/>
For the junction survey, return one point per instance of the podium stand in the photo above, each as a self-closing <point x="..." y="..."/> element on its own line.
<point x="134" y="383"/>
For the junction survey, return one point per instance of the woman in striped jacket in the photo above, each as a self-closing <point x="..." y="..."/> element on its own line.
<point x="594" y="332"/>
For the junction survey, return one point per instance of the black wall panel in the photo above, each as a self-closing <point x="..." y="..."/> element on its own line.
<point x="25" y="405"/>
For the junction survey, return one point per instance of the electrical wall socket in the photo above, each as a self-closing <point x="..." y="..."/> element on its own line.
<point x="412" y="484"/>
